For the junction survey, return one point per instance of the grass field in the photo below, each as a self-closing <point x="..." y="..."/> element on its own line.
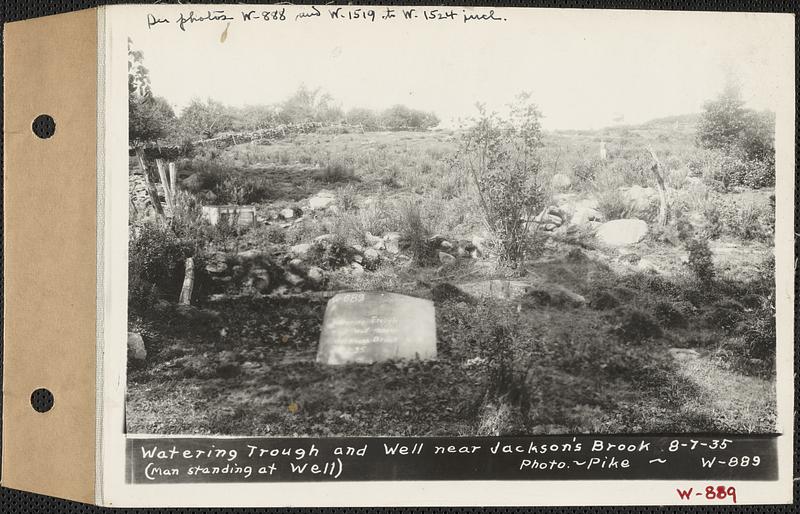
<point x="592" y="346"/>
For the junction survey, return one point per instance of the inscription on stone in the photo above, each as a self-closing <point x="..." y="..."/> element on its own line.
<point x="367" y="327"/>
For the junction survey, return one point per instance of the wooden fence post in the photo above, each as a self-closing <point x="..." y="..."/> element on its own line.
<point x="151" y="189"/>
<point x="188" y="283"/>
<point x="662" y="192"/>
<point x="162" y="173"/>
<point x="173" y="178"/>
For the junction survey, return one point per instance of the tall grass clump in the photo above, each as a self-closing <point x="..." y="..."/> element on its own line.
<point x="415" y="234"/>
<point x="336" y="170"/>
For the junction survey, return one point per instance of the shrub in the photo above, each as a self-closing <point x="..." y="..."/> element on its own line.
<point x="336" y="171"/>
<point x="614" y="204"/>
<point x="585" y="171"/>
<point x="501" y="157"/>
<point x="701" y="260"/>
<point x="348" y="199"/>
<point x="156" y="265"/>
<point x="331" y="254"/>
<point x="637" y="326"/>
<point x="240" y="189"/>
<point x="603" y="300"/>
<point x="725" y="314"/>
<point x="670" y="314"/>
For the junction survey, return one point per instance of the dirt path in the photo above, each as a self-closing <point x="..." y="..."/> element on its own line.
<point x="736" y="402"/>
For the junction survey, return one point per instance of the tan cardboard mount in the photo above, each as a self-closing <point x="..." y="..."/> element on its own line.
<point x="49" y="245"/>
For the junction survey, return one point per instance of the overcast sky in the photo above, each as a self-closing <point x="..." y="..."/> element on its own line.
<point x="584" y="68"/>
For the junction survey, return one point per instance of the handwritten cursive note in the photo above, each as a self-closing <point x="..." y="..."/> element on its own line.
<point x="311" y="14"/>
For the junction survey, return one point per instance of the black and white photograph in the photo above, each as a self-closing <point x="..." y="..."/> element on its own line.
<point x="566" y="229"/>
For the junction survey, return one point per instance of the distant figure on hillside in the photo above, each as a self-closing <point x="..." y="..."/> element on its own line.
<point x="603" y="151"/>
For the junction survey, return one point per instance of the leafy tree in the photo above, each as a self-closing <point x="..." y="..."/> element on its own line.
<point x="205" y="119"/>
<point x="308" y="105"/>
<point x="258" y="117"/>
<point x="367" y="118"/>
<point x="400" y="117"/>
<point x="150" y="117"/>
<point x="726" y="124"/>
<point x="501" y="156"/>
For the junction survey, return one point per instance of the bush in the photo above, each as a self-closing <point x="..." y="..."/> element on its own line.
<point x="331" y="254"/>
<point x="336" y="171"/>
<point x="585" y="171"/>
<point x="670" y="314"/>
<point x="156" y="265"/>
<point x="701" y="260"/>
<point x="240" y="189"/>
<point x="637" y="326"/>
<point x="348" y="198"/>
<point x="614" y="204"/>
<point x="501" y="157"/>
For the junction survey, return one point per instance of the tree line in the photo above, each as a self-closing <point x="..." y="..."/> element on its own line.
<point x="151" y="118"/>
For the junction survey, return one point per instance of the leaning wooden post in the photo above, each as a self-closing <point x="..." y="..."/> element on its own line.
<point x="173" y="178"/>
<point x="662" y="191"/>
<point x="188" y="283"/>
<point x="151" y="189"/>
<point x="162" y="173"/>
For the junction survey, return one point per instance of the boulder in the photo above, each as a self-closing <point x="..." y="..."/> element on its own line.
<point x="640" y="197"/>
<point x="583" y="215"/>
<point x="372" y="255"/>
<point x="392" y="242"/>
<point x="215" y="264"/>
<point x="136" y="349"/>
<point x="315" y="275"/>
<point x="287" y="213"/>
<point x="356" y="269"/>
<point x="320" y="201"/>
<point x="293" y="279"/>
<point x="446" y="259"/>
<point x="301" y="250"/>
<point x="561" y="181"/>
<point x="193" y="182"/>
<point x="621" y="232"/>
<point x="374" y="241"/>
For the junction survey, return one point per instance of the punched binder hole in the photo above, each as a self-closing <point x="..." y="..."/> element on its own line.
<point x="44" y="126"/>
<point x="42" y="400"/>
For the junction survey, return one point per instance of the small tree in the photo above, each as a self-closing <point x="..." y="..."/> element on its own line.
<point x="205" y="119"/>
<point x="743" y="135"/>
<point x="150" y="118"/>
<point x="501" y="157"/>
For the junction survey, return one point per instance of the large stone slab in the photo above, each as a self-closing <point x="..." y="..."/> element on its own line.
<point x="367" y="327"/>
<point x="621" y="232"/>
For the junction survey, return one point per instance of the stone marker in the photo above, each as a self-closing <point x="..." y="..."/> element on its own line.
<point x="367" y="327"/>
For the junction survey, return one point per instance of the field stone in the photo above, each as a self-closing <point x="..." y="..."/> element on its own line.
<point x="583" y="215"/>
<point x="287" y="213"/>
<point x="321" y="200"/>
<point x="215" y="264"/>
<point x="561" y="181"/>
<point x="136" y="349"/>
<point x="392" y="242"/>
<point x="315" y="275"/>
<point x="371" y="255"/>
<point x="301" y="250"/>
<point x="683" y="354"/>
<point x="368" y="327"/>
<point x="373" y="241"/>
<point x="356" y="269"/>
<point x="293" y="279"/>
<point x="622" y="232"/>
<point x="446" y="259"/>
